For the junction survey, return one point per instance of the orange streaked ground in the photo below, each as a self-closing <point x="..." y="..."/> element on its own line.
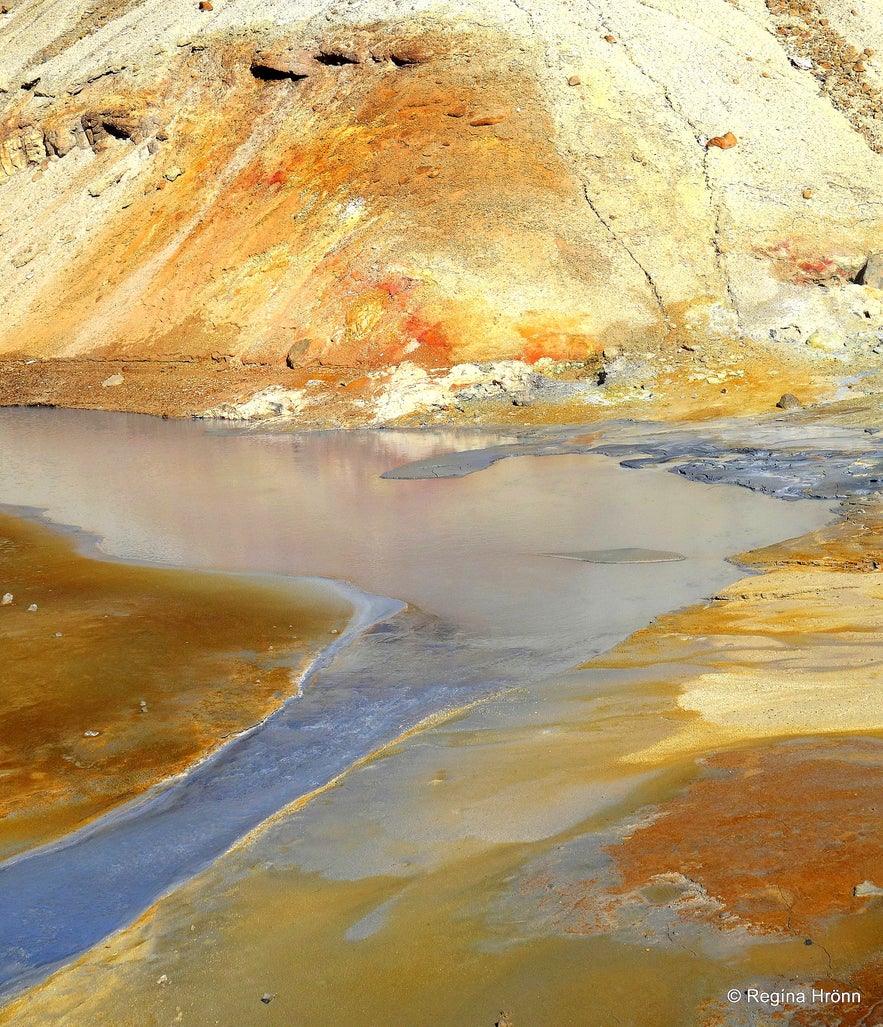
<point x="199" y="650"/>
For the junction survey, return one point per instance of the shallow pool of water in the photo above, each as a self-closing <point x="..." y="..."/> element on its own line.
<point x="486" y="613"/>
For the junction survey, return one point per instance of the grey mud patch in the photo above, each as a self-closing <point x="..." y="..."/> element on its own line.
<point x="771" y="455"/>
<point x="627" y="555"/>
<point x="575" y="890"/>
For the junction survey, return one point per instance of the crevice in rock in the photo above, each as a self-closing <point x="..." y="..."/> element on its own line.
<point x="719" y="258"/>
<point x="103" y="125"/>
<point x="116" y="130"/>
<point x="404" y="61"/>
<point x="528" y="14"/>
<point x="265" y="73"/>
<point x="859" y="277"/>
<point x="714" y="205"/>
<point x="621" y="242"/>
<point x="335" y="59"/>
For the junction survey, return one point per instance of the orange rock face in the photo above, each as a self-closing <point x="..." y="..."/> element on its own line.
<point x="334" y="201"/>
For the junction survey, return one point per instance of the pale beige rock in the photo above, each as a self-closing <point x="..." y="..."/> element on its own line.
<point x="269" y="403"/>
<point x="826" y="341"/>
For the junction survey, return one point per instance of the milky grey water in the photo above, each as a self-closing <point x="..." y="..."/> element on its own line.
<point x="451" y="574"/>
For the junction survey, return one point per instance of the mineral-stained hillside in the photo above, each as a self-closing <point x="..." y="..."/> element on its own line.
<point x="391" y="189"/>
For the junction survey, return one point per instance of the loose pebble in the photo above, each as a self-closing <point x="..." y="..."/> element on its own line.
<point x="789" y="402"/>
<point x="724" y="142"/>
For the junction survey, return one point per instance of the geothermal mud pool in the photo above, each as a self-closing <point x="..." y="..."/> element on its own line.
<point x="498" y="788"/>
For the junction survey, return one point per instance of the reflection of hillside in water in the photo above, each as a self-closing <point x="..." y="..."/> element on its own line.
<point x="466" y="551"/>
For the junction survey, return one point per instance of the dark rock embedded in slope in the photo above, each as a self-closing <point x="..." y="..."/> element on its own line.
<point x="789" y="402"/>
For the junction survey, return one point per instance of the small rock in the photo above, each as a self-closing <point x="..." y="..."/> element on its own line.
<point x="115" y="379"/>
<point x="173" y="174"/>
<point x="58" y="634"/>
<point x="205" y="5"/>
<point x="611" y="352"/>
<point x="296" y="353"/>
<point x="872" y="273"/>
<point x="162" y="979"/>
<point x="725" y="142"/>
<point x="268" y="997"/>
<point x="505" y="1019"/>
<point x="825" y="341"/>
<point x="32" y="608"/>
<point x="804" y="63"/>
<point x="91" y="734"/>
<point x="808" y="193"/>
<point x="574" y="80"/>
<point x="867" y="889"/>
<point x="789" y="402"/>
<point x="7" y="599"/>
<point x="609" y="39"/>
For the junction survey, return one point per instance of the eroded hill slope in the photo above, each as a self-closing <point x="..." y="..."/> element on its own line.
<point x="375" y="185"/>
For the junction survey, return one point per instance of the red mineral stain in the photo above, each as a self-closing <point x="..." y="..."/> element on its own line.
<point x="780" y="835"/>
<point x="427" y="334"/>
<point x="555" y="342"/>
